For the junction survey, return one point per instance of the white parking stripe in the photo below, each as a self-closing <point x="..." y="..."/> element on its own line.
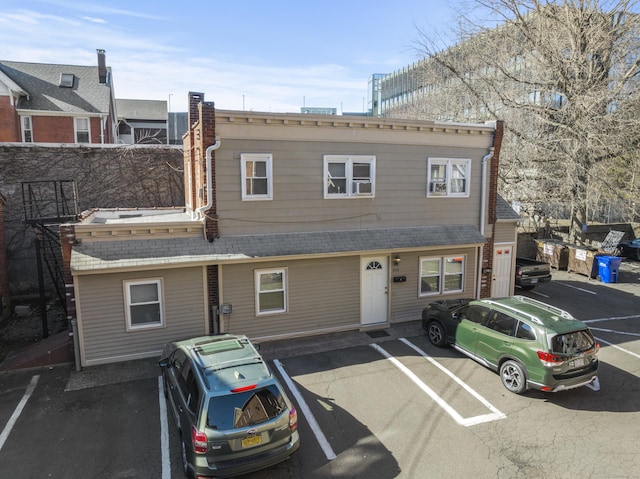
<point x="613" y="318"/>
<point x="615" y="331"/>
<point x="16" y="414"/>
<point x="304" y="408"/>
<point x="575" y="287"/>
<point x="495" y="415"/>
<point x="164" y="433"/>
<point x="618" y="347"/>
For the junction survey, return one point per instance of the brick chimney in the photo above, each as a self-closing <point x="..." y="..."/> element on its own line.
<point x="195" y="99"/>
<point x="102" y="67"/>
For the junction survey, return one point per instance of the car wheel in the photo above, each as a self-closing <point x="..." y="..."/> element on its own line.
<point x="436" y="334"/>
<point x="185" y="462"/>
<point x="513" y="377"/>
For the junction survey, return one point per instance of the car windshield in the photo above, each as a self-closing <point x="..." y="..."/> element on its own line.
<point x="572" y="343"/>
<point x="246" y="408"/>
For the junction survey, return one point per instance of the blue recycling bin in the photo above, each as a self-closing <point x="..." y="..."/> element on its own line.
<point x="608" y="268"/>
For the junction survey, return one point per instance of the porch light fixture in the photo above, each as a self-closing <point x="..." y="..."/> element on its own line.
<point x="396" y="259"/>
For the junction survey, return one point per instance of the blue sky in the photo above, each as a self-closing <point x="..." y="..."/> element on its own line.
<point x="256" y="55"/>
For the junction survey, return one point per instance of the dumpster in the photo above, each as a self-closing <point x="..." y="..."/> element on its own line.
<point x="608" y="268"/>
<point x="553" y="252"/>
<point x="583" y="261"/>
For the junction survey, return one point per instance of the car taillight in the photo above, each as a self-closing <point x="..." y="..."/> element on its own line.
<point x="550" y="359"/>
<point x="293" y="419"/>
<point x="199" y="440"/>
<point x="244" y="388"/>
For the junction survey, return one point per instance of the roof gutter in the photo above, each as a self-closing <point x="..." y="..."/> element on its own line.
<point x="210" y="149"/>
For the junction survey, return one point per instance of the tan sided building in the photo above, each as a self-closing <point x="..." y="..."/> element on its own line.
<point x="294" y="225"/>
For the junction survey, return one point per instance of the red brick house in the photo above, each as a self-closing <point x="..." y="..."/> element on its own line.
<point x="50" y="103"/>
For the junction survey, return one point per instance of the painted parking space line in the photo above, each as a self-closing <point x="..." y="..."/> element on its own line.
<point x="18" y="410"/>
<point x="164" y="432"/>
<point x="304" y="408"/>
<point x="470" y="421"/>
<point x="575" y="287"/>
<point x="618" y="347"/>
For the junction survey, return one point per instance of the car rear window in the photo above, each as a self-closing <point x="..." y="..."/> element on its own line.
<point x="246" y="408"/>
<point x="571" y="343"/>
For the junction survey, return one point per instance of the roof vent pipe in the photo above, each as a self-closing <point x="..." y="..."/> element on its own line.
<point x="200" y="211"/>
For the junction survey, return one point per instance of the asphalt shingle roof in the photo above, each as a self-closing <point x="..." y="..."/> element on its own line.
<point x="504" y="211"/>
<point x="41" y="81"/>
<point x="103" y="255"/>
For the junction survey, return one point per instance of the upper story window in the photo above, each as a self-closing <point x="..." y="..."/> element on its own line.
<point x="448" y="177"/>
<point x="257" y="176"/>
<point x="27" y="130"/>
<point x="143" y="304"/>
<point x="349" y="176"/>
<point x="83" y="133"/>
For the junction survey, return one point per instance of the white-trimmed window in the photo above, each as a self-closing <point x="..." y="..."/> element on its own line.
<point x="448" y="177"/>
<point x="271" y="291"/>
<point x="143" y="304"/>
<point x="27" y="129"/>
<point x="349" y="176"/>
<point x="441" y="274"/>
<point x="257" y="178"/>
<point x="83" y="130"/>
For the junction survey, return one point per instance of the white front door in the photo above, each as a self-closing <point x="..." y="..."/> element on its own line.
<point x="502" y="281"/>
<point x="374" y="285"/>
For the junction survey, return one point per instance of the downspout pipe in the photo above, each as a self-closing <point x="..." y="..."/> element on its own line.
<point x="483" y="194"/>
<point x="210" y="149"/>
<point x="483" y="212"/>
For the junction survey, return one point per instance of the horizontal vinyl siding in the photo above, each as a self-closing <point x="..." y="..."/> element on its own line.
<point x="505" y="233"/>
<point x="322" y="294"/>
<point x="298" y="203"/>
<point x="406" y="304"/>
<point x="102" y="318"/>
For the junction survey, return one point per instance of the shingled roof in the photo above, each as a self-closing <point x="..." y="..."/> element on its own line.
<point x="102" y="255"/>
<point x="41" y="82"/>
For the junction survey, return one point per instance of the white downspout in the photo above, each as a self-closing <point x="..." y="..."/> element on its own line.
<point x="207" y="207"/>
<point x="483" y="210"/>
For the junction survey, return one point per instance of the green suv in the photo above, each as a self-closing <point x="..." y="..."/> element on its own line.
<point x="529" y="343"/>
<point x="233" y="415"/>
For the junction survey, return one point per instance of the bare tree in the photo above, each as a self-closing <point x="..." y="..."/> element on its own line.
<point x="564" y="77"/>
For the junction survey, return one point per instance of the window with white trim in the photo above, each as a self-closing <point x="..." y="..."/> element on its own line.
<point x="349" y="176"/>
<point x="144" y="304"/>
<point x="271" y="291"/>
<point x="257" y="178"/>
<point x="27" y="129"/>
<point x="83" y="130"/>
<point x="441" y="274"/>
<point x="448" y="177"/>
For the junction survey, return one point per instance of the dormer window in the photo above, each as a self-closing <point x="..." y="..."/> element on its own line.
<point x="66" y="80"/>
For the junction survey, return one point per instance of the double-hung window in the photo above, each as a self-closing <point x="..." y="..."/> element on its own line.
<point x="349" y="176"/>
<point x="257" y="177"/>
<point x="27" y="129"/>
<point x="271" y="291"/>
<point x="143" y="304"/>
<point x="83" y="131"/>
<point x="440" y="275"/>
<point x="448" y="177"/>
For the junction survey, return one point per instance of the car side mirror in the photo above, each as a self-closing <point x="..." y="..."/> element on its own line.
<point x="164" y="363"/>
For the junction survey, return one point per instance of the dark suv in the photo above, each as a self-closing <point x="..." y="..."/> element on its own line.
<point x="232" y="414"/>
<point x="529" y="343"/>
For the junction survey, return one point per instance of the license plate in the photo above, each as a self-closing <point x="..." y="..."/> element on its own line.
<point x="578" y="363"/>
<point x="251" y="441"/>
<point x="534" y="280"/>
